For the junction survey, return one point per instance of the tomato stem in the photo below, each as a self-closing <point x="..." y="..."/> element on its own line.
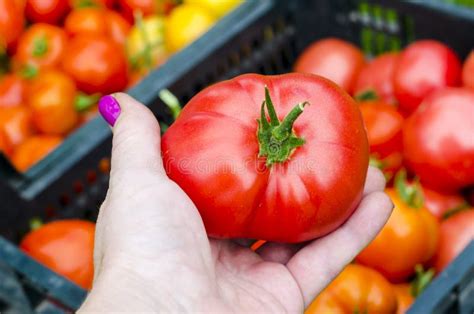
<point x="411" y="194"/>
<point x="171" y="101"/>
<point x="421" y="281"/>
<point x="276" y="138"/>
<point x="82" y="102"/>
<point x="40" y="46"/>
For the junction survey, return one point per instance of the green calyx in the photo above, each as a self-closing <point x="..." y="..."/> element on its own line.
<point x="410" y="193"/>
<point x="367" y="95"/>
<point x="276" y="138"/>
<point x="422" y="279"/>
<point x="40" y="46"/>
<point x="82" y="102"/>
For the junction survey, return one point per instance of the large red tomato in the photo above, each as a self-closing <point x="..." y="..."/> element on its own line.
<point x="455" y="234"/>
<point x="280" y="180"/>
<point x="440" y="203"/>
<point x="11" y="22"/>
<point x="335" y="59"/>
<point x="468" y="71"/>
<point x="96" y="63"/>
<point x="423" y="67"/>
<point x="438" y="139"/>
<point x="46" y="11"/>
<point x="377" y="76"/>
<point x="66" y="247"/>
<point x="12" y="91"/>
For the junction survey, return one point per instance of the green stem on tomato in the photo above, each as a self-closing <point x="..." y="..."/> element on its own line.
<point x="29" y="71"/>
<point x="421" y="281"/>
<point x="276" y="138"/>
<point x="82" y="102"/>
<point x="171" y="102"/>
<point x="410" y="193"/>
<point x="35" y="223"/>
<point x="40" y="46"/>
<point x="366" y="95"/>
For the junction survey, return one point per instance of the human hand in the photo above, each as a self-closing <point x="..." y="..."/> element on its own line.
<point x="152" y="252"/>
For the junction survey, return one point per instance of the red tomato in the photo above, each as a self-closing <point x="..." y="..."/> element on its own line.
<point x="410" y="236"/>
<point x="12" y="91"/>
<point x="51" y="99"/>
<point x="65" y="246"/>
<point x="377" y="76"/>
<point x="455" y="234"/>
<point x="97" y="21"/>
<point x="468" y="71"/>
<point x="33" y="150"/>
<point x="41" y="46"/>
<point x="46" y="11"/>
<point x="439" y="203"/>
<point x="293" y="192"/>
<point x="15" y="127"/>
<point x="438" y="139"/>
<point x="96" y="63"/>
<point x="12" y="23"/>
<point x="423" y="67"/>
<point x="335" y="59"/>
<point x="145" y="7"/>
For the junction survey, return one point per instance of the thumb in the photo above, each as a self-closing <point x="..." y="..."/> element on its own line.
<point x="136" y="136"/>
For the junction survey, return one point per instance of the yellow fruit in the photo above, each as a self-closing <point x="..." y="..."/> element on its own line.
<point x="218" y="7"/>
<point x="185" y="24"/>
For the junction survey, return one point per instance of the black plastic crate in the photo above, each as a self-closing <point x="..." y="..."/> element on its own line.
<point x="262" y="36"/>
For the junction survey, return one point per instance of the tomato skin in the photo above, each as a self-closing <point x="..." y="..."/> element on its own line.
<point x="439" y="203"/>
<point x="335" y="59"/>
<point x="424" y="66"/>
<point x="97" y="21"/>
<point x="15" y="127"/>
<point x="357" y="289"/>
<point x="468" y="71"/>
<point x="31" y="53"/>
<point x="455" y="234"/>
<point x="12" y="23"/>
<point x="298" y="200"/>
<point x="404" y="297"/>
<point x="51" y="99"/>
<point x="410" y="237"/>
<point x="377" y="75"/>
<point x="96" y="63"/>
<point x="437" y="140"/>
<point x="145" y="7"/>
<point x="12" y="91"/>
<point x="46" y="11"/>
<point x="65" y="246"/>
<point x="33" y="150"/>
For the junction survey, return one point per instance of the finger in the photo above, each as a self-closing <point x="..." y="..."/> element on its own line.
<point x="315" y="265"/>
<point x="375" y="181"/>
<point x="136" y="139"/>
<point x="278" y="252"/>
<point x="244" y="242"/>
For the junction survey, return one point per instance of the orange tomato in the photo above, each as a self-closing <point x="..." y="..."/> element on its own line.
<point x="15" y="127"/>
<point x="12" y="91"/>
<point x="33" y="150"/>
<point x="41" y="46"/>
<point x="357" y="289"/>
<point x="404" y="297"/>
<point x="455" y="234"/>
<point x="65" y="246"/>
<point x="468" y="71"/>
<point x="97" y="21"/>
<point x="51" y="99"/>
<point x="409" y="238"/>
<point x="12" y="23"/>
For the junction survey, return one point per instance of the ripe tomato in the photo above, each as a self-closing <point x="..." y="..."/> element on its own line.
<point x="335" y="59"/>
<point x="65" y="246"/>
<point x="96" y="63"/>
<point x="145" y="7"/>
<point x="377" y="76"/>
<point x="97" y="21"/>
<point x="46" y="11"/>
<point x="468" y="71"/>
<point x="51" y="99"/>
<point x="218" y="7"/>
<point x="423" y="67"/>
<point x="455" y="234"/>
<point x="15" y="127"/>
<point x="12" y="91"/>
<point x="439" y="203"/>
<point x="41" y="46"/>
<point x="185" y="24"/>
<point x="409" y="238"/>
<point x="357" y="289"/>
<point x="384" y="130"/>
<point x="110" y="4"/>
<point x="33" y="150"/>
<point x="293" y="192"/>
<point x="404" y="297"/>
<point x="438" y="139"/>
<point x="12" y="23"/>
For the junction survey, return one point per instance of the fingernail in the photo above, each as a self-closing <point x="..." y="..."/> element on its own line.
<point x="109" y="108"/>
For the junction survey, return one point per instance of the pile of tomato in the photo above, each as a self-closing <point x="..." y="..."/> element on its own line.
<point x="59" y="56"/>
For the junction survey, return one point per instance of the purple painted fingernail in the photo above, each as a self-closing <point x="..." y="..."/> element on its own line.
<point x="109" y="108"/>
